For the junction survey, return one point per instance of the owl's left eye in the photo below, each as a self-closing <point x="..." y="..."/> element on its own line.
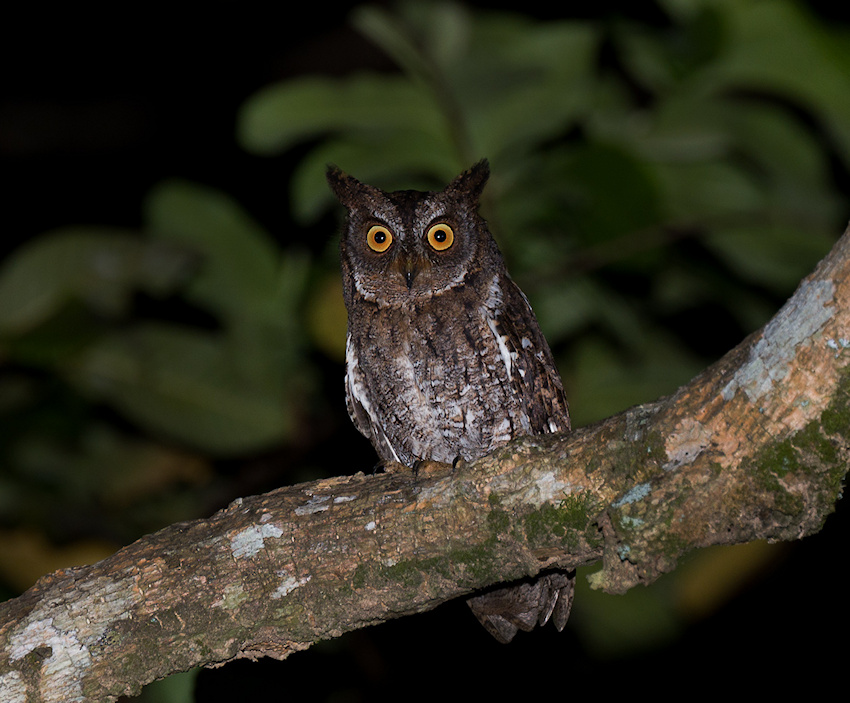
<point x="379" y="238"/>
<point x="441" y="237"/>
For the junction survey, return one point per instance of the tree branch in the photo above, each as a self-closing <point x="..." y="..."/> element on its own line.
<point x="754" y="447"/>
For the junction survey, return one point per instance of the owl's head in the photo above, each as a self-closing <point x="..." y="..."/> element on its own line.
<point x="407" y="246"/>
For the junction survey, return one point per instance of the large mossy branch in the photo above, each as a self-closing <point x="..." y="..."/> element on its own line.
<point x="755" y="447"/>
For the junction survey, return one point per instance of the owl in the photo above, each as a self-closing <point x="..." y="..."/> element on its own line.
<point x="445" y="360"/>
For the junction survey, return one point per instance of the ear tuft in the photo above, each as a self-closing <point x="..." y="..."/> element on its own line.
<point x="343" y="186"/>
<point x="472" y="181"/>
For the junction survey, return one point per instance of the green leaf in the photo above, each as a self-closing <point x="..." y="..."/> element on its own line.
<point x="238" y="273"/>
<point x="563" y="310"/>
<point x="707" y="192"/>
<point x="778" y="47"/>
<point x="791" y="163"/>
<point x="518" y="89"/>
<point x="97" y="267"/>
<point x="665" y="59"/>
<point x="286" y="114"/>
<point x="614" y="192"/>
<point x="422" y="38"/>
<point x="603" y="380"/>
<point x="184" y="384"/>
<point x="775" y="256"/>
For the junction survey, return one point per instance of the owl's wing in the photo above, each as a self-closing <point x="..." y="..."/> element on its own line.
<point x="535" y="380"/>
<point x="531" y="368"/>
<point x="360" y="406"/>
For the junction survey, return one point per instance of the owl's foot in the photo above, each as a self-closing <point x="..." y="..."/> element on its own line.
<point x="391" y="467"/>
<point x="425" y="468"/>
<point x="459" y="464"/>
<point x="525" y="605"/>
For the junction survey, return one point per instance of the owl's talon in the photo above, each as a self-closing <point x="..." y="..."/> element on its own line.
<point x="425" y="468"/>
<point x="391" y="467"/>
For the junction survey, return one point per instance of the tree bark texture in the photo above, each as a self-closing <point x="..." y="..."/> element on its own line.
<point x="754" y="447"/>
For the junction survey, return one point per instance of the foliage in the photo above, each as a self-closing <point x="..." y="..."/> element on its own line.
<point x="79" y="342"/>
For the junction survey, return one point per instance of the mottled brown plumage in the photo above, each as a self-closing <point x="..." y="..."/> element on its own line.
<point x="444" y="358"/>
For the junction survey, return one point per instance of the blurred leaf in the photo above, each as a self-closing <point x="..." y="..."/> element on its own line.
<point x="564" y="310"/>
<point x="228" y="391"/>
<point x="443" y="34"/>
<point x="778" y="47"/>
<point x="98" y="267"/>
<point x="238" y="273"/>
<point x="613" y="192"/>
<point x="100" y="461"/>
<point x="681" y="291"/>
<point x="258" y="292"/>
<point x="286" y="114"/>
<point x="663" y="64"/>
<point x="773" y="256"/>
<point x="69" y="330"/>
<point x="602" y="380"/>
<point x="500" y="81"/>
<point x="770" y="162"/>
<point x="524" y="83"/>
<point x="781" y="144"/>
<point x="705" y="192"/>
<point x="185" y="384"/>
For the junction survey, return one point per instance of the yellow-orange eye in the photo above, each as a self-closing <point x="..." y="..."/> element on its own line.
<point x="441" y="237"/>
<point x="379" y="238"/>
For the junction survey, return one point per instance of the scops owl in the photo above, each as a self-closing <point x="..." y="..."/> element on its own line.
<point x="444" y="359"/>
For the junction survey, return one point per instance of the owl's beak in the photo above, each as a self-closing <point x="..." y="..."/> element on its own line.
<point x="409" y="266"/>
<point x="409" y="271"/>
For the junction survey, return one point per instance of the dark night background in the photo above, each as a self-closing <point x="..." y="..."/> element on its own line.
<point x="99" y="106"/>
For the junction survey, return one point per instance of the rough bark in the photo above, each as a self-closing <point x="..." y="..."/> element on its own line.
<point x="754" y="447"/>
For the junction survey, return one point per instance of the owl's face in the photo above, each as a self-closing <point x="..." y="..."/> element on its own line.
<point x="406" y="246"/>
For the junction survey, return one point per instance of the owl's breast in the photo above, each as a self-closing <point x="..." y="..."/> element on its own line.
<point x="439" y="380"/>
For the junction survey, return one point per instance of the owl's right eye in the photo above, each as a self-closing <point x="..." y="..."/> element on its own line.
<point x="379" y="238"/>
